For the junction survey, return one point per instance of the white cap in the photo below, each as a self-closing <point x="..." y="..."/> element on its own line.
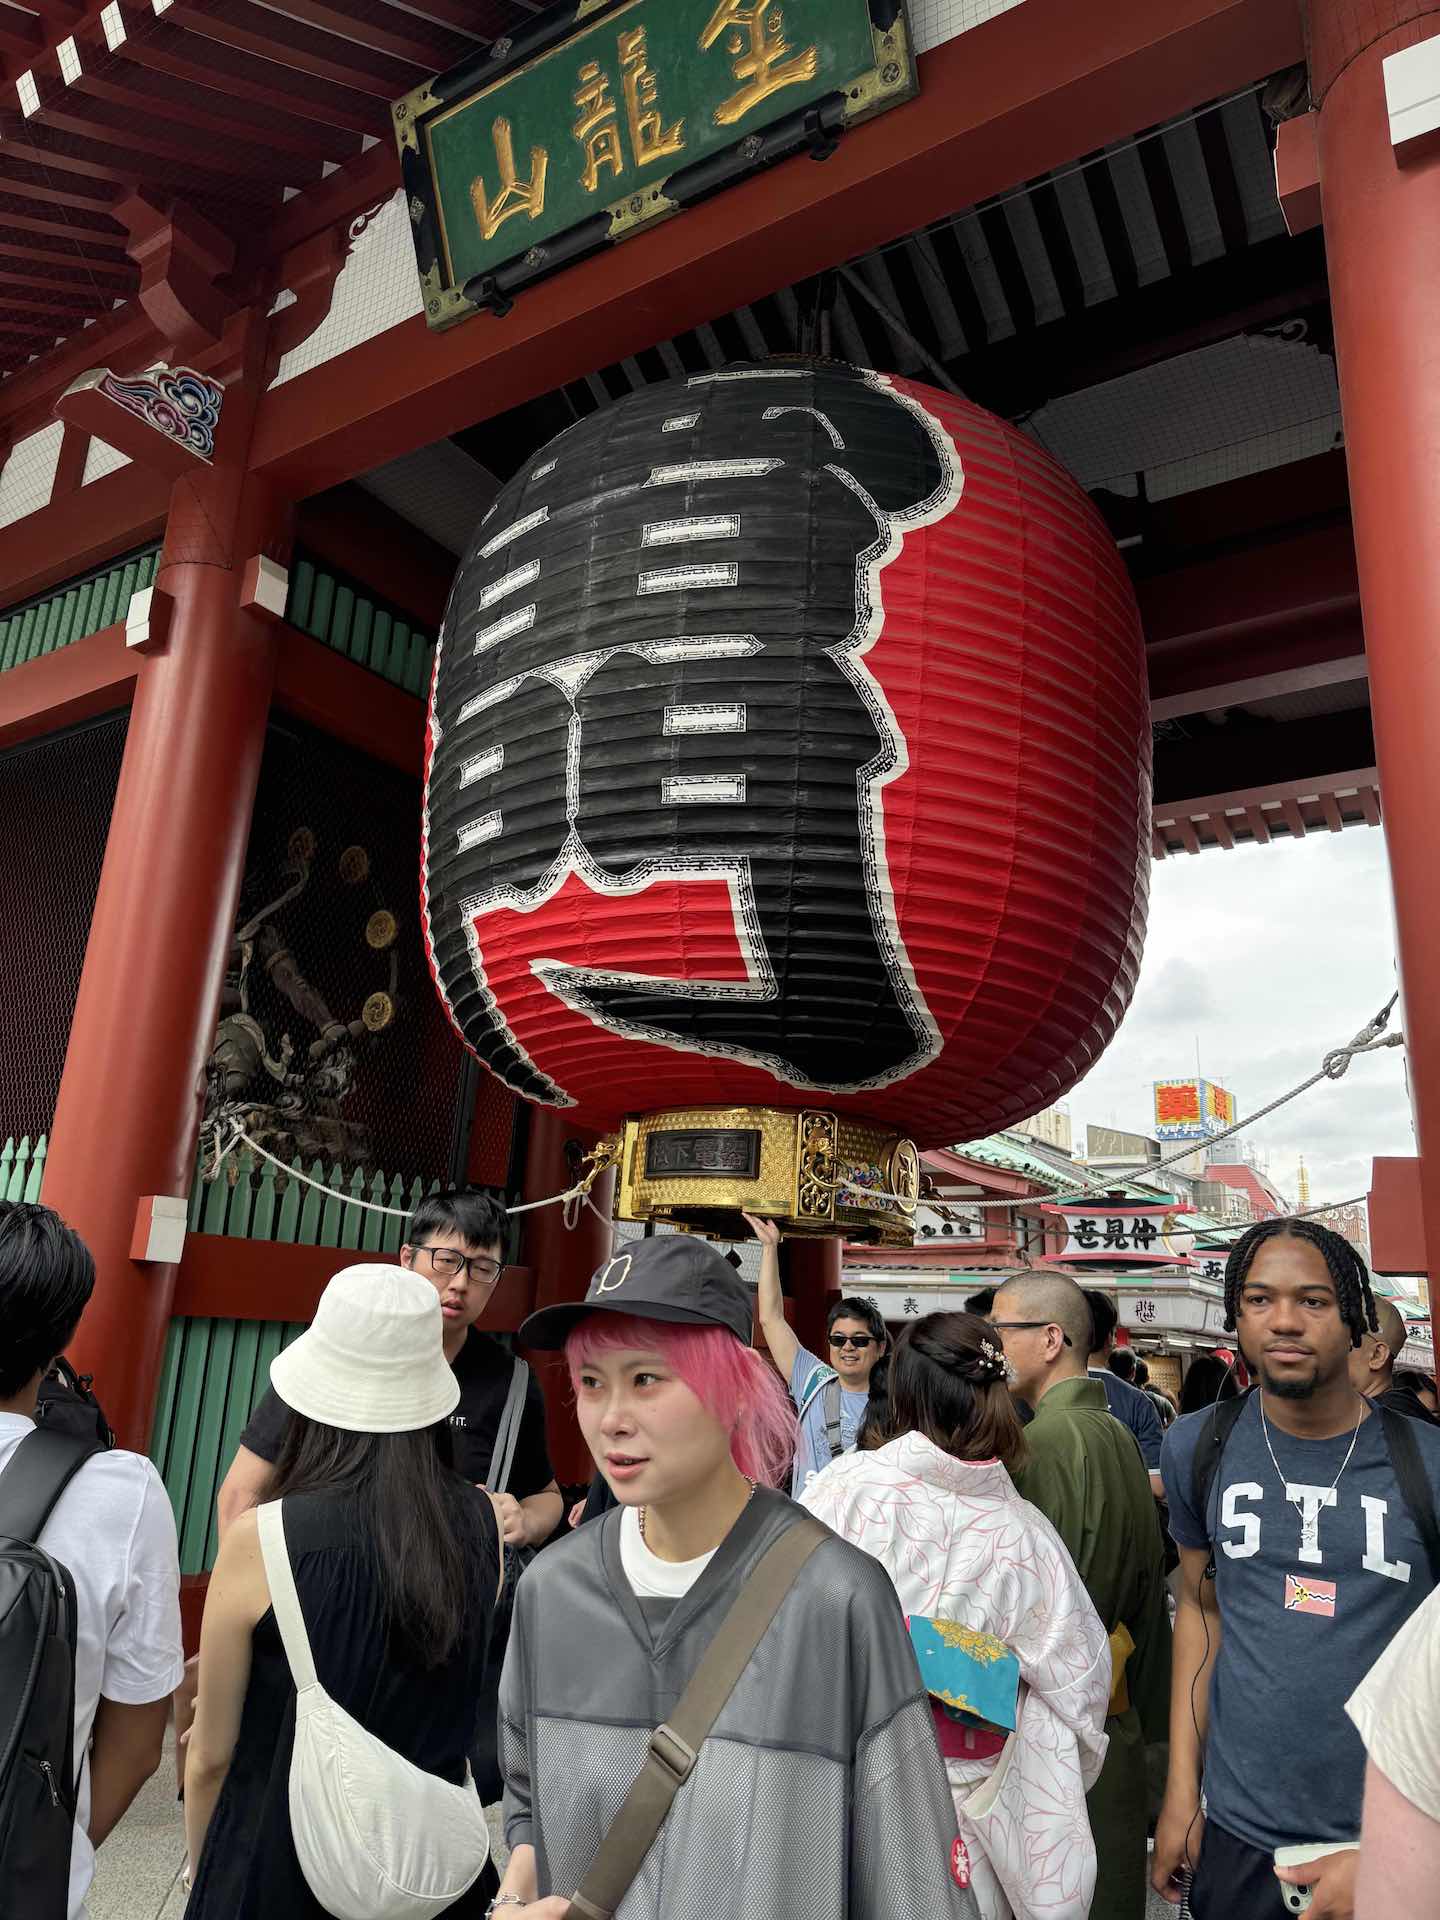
<point x="372" y="1360"/>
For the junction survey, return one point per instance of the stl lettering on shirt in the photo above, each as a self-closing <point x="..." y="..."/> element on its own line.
<point x="1309" y="1596"/>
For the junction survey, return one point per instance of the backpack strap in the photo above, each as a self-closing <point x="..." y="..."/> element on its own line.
<point x="813" y="1384"/>
<point x="1415" y="1489"/>
<point x="1219" y="1425"/>
<point x="42" y="1466"/>
<point x="280" y="1577"/>
<point x="507" y="1434"/>
<point x="675" y="1745"/>
<point x="830" y="1400"/>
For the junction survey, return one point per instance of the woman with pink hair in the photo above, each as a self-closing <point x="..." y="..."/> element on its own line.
<point x="819" y="1791"/>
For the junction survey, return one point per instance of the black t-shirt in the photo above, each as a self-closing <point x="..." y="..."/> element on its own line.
<point x="483" y="1369"/>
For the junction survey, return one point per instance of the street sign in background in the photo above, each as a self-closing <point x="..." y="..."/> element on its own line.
<point x="1118" y="1234"/>
<point x="597" y="121"/>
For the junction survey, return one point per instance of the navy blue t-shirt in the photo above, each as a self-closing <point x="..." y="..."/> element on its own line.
<point x="1310" y="1596"/>
<point x="1135" y="1410"/>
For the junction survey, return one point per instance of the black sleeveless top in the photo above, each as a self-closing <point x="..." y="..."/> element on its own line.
<point x="248" y="1870"/>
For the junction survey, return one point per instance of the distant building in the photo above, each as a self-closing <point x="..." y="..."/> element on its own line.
<point x="1266" y="1200"/>
<point x="1051" y="1127"/>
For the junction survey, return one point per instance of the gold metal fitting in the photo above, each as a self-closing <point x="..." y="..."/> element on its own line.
<point x="815" y="1172"/>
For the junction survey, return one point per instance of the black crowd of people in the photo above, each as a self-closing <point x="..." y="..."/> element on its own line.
<point x="971" y="1621"/>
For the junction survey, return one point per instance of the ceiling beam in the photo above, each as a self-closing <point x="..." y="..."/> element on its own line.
<point x="1001" y="103"/>
<point x="292" y="44"/>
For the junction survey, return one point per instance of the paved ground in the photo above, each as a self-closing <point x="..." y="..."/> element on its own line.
<point x="138" y="1873"/>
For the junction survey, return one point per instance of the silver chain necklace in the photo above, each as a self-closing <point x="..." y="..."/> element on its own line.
<point x="748" y="1498"/>
<point x="1285" y="1484"/>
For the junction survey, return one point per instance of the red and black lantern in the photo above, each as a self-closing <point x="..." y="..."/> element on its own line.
<point x="789" y="751"/>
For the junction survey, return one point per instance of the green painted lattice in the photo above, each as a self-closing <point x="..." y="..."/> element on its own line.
<point x="213" y="1374"/>
<point x="22" y="1168"/>
<point x="71" y="612"/>
<point x="251" y="1199"/>
<point x="348" y="618"/>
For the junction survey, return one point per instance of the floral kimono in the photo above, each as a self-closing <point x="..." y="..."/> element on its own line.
<point x="961" y="1545"/>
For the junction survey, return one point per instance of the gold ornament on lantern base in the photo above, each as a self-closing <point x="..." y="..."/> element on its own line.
<point x="814" y="1171"/>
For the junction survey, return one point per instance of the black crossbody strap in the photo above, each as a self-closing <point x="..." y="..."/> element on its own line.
<point x="40" y="1469"/>
<point x="675" y="1746"/>
<point x="1219" y="1425"/>
<point x="1414" y="1483"/>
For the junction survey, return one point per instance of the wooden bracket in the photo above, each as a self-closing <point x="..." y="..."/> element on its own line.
<point x="264" y="588"/>
<point x="147" y="620"/>
<point x="160" y="1224"/>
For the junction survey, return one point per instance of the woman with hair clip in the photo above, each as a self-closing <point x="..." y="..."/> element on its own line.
<point x="812" y="1783"/>
<point x="395" y="1560"/>
<point x="929" y="1494"/>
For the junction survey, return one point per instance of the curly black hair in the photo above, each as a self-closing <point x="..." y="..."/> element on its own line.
<point x="1347" y="1270"/>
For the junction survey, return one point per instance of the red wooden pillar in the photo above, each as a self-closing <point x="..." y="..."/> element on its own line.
<point x="562" y="1260"/>
<point x="812" y="1268"/>
<point x="128" y="1115"/>
<point x="1381" y="222"/>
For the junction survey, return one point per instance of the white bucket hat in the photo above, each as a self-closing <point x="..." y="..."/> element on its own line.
<point x="372" y="1359"/>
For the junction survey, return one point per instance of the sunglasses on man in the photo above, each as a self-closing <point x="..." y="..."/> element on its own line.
<point x="851" y="1339"/>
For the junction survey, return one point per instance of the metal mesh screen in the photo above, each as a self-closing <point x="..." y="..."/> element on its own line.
<point x="332" y="1035"/>
<point x="56" y="797"/>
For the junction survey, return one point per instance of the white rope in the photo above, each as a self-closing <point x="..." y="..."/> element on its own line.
<point x="238" y="1133"/>
<point x="1332" y="1067"/>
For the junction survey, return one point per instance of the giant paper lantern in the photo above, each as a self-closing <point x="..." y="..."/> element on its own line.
<point x="788" y="788"/>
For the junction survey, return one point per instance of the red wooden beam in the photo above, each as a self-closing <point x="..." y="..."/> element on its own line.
<point x="290" y="43"/>
<point x="92" y="676"/>
<point x="349" y="702"/>
<point x="224" y="1279"/>
<point x="362" y="537"/>
<point x="30" y="179"/>
<point x="122" y="511"/>
<point x="1027" y="91"/>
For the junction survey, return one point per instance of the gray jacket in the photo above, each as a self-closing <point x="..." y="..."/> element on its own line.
<point x="820" y="1794"/>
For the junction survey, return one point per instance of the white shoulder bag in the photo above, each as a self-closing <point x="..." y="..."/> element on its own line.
<point x="376" y="1837"/>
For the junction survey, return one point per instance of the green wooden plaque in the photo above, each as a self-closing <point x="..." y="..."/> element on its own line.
<point x="605" y="115"/>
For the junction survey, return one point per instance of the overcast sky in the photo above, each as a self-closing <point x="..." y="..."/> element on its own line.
<point x="1269" y="957"/>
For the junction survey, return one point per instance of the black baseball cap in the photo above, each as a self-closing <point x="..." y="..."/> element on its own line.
<point x="671" y="1277"/>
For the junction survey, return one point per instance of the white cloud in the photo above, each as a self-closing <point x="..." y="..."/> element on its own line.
<point x="1267" y="958"/>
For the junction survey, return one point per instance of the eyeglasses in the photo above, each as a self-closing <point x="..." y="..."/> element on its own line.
<point x="449" y="1261"/>
<point x="851" y="1339"/>
<point x="1024" y="1326"/>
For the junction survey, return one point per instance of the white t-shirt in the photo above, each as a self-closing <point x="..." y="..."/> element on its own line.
<point x="114" y="1530"/>
<point x="650" y="1577"/>
<point x="1394" y="1709"/>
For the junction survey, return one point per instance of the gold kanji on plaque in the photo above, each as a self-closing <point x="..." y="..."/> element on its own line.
<point x="516" y="196"/>
<point x="597" y="125"/>
<point x="650" y="138"/>
<point x="760" y="57"/>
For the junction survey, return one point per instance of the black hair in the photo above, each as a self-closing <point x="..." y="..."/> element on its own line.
<point x="1142" y="1370"/>
<point x="1123" y="1365"/>
<point x="1207" y="1379"/>
<point x="1412" y="1380"/>
<point x="947" y="1381"/>
<point x="478" y="1217"/>
<point x="434" y="1535"/>
<point x="875" y="1421"/>
<point x="852" y="1309"/>
<point x="982" y="1302"/>
<point x="46" y="1278"/>
<point x="1103" y="1318"/>
<point x="1348" y="1271"/>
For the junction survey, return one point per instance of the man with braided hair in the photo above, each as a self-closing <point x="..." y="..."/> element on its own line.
<point x="1085" y="1474"/>
<point x="1305" y="1518"/>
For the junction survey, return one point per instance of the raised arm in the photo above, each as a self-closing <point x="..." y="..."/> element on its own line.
<point x="779" y="1335"/>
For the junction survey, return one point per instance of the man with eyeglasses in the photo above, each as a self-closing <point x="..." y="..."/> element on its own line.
<point x="455" y="1241"/>
<point x="830" y="1396"/>
<point x="1084" y="1472"/>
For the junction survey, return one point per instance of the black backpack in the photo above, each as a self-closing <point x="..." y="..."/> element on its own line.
<point x="1405" y="1461"/>
<point x="37" y="1683"/>
<point x="66" y="1403"/>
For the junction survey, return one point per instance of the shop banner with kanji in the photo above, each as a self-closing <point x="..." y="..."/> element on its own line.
<point x="1110" y="1234"/>
<point x="597" y="120"/>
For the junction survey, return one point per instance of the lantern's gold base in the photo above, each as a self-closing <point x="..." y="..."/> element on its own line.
<point x="812" y="1171"/>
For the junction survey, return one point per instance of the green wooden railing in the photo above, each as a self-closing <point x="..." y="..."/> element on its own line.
<point x="213" y="1373"/>
<point x="349" y="618"/>
<point x="66" y="614"/>
<point x="251" y="1199"/>
<point x="22" y="1168"/>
